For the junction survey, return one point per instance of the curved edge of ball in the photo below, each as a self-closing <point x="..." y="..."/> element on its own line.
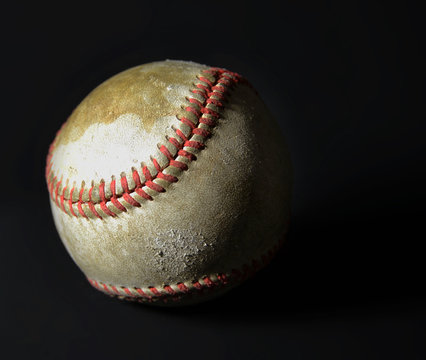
<point x="187" y="293"/>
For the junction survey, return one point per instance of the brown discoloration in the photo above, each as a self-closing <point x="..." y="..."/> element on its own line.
<point x="230" y="206"/>
<point x="141" y="90"/>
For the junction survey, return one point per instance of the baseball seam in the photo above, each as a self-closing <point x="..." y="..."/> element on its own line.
<point x="174" y="292"/>
<point x="108" y="200"/>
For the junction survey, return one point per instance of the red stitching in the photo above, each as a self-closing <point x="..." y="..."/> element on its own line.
<point x="181" y="135"/>
<point x="194" y="144"/>
<point x="204" y="79"/>
<point x="203" y="87"/>
<point x="175" y="143"/>
<point x="199" y="92"/>
<point x="226" y="81"/>
<point x="143" y="194"/>
<point x="169" y="178"/>
<point x="195" y="101"/>
<point x="210" y="112"/>
<point x="218" y="94"/>
<point x="80" y="195"/>
<point x="198" y="286"/>
<point x="178" y="164"/>
<point x="147" y="174"/>
<point x="112" y="188"/>
<point x="193" y="111"/>
<point x="48" y="161"/>
<point x="213" y="92"/>
<point x="62" y="198"/>
<point x="154" y="291"/>
<point x="106" y="210"/>
<point x="70" y="202"/>
<point x="214" y="102"/>
<point x="124" y="184"/>
<point x="93" y="210"/>
<point x="187" y="154"/>
<point x="207" y="121"/>
<point x="222" y="278"/>
<point x="103" y="205"/>
<point x="126" y="195"/>
<point x="208" y="282"/>
<point x="188" y="122"/>
<point x="80" y="209"/>
<point x="117" y="204"/>
<point x="166" y="152"/>
<point x="142" y="293"/>
<point x="156" y="164"/>
<point x="91" y="204"/>
<point x="102" y="191"/>
<point x="219" y="88"/>
<point x="56" y="192"/>
<point x="169" y="290"/>
<point x="136" y="178"/>
<point x="51" y="187"/>
<point x="202" y="132"/>
<point x="182" y="287"/>
<point x="127" y="291"/>
<point x="130" y="200"/>
<point x="154" y="186"/>
<point x="115" y="289"/>
<point x="114" y="200"/>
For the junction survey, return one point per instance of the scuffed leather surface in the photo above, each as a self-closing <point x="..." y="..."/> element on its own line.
<point x="229" y="207"/>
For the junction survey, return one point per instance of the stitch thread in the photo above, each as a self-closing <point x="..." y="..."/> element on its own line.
<point x="174" y="292"/>
<point x="201" y="117"/>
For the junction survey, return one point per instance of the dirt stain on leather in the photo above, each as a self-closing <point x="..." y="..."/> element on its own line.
<point x="141" y="90"/>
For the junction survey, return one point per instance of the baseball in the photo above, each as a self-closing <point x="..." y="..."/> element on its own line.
<point x="170" y="183"/>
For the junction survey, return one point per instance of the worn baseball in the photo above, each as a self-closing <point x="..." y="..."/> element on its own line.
<point x="170" y="183"/>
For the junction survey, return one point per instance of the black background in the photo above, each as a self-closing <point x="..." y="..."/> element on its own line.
<point x="345" y="82"/>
